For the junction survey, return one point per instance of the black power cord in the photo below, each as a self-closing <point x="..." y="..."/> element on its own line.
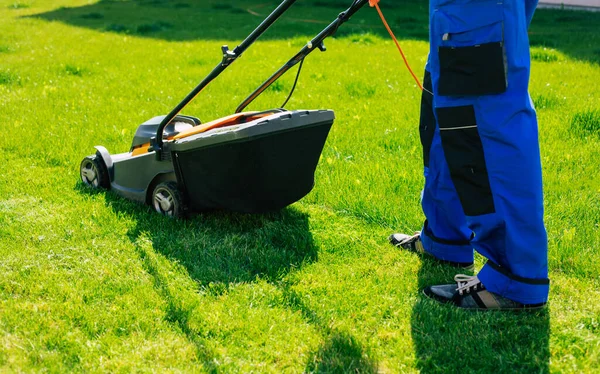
<point x="294" y="86"/>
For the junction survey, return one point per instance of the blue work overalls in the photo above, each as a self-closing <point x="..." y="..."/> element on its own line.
<point x="483" y="178"/>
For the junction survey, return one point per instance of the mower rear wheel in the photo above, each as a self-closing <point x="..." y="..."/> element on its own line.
<point x="93" y="172"/>
<point x="168" y="200"/>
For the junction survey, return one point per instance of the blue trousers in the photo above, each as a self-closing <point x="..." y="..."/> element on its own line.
<point x="483" y="178"/>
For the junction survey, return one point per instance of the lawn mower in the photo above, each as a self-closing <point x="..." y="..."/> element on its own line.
<point x="247" y="162"/>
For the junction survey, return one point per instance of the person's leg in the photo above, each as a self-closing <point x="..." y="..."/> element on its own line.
<point x="445" y="234"/>
<point x="519" y="270"/>
<point x="480" y="75"/>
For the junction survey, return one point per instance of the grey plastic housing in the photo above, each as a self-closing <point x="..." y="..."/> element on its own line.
<point x="147" y="130"/>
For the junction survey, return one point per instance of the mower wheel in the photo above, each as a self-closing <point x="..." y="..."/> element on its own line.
<point x="94" y="173"/>
<point x="168" y="200"/>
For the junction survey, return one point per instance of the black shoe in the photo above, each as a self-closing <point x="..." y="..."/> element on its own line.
<point x="414" y="244"/>
<point x="470" y="293"/>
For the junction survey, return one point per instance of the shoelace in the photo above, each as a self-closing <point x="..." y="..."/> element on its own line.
<point x="466" y="283"/>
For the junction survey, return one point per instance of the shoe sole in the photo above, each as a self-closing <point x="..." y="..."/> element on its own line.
<point x="521" y="309"/>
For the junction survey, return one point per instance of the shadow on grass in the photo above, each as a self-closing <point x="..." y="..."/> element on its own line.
<point x="178" y="313"/>
<point x="340" y="351"/>
<point x="450" y="340"/>
<point x="219" y="249"/>
<point x="213" y="20"/>
<point x="571" y="32"/>
<point x="574" y="33"/>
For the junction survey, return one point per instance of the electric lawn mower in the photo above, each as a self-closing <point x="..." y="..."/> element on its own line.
<point x="246" y="162"/>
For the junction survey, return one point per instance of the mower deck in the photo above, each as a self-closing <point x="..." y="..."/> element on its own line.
<point x="261" y="165"/>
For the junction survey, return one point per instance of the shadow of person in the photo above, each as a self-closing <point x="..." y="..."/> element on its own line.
<point x="448" y="339"/>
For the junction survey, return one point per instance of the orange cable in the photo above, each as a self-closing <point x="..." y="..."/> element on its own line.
<point x="374" y="3"/>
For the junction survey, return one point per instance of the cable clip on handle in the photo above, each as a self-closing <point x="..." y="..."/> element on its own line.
<point x="228" y="55"/>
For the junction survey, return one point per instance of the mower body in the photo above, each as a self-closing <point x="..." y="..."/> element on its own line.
<point x="260" y="165"/>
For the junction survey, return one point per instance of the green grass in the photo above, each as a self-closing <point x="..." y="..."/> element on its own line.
<point x="91" y="282"/>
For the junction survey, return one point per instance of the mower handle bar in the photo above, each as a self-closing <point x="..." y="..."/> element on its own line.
<point x="316" y="42"/>
<point x="229" y="56"/>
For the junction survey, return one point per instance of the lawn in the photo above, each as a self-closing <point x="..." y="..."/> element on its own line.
<point x="90" y="282"/>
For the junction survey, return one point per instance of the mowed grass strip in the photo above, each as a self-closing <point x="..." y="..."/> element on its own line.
<point x="92" y="282"/>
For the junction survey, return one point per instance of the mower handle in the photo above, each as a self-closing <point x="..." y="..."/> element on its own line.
<point x="316" y="42"/>
<point x="229" y="56"/>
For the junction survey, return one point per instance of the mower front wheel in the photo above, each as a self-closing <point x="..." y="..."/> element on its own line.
<point x="94" y="173"/>
<point x="168" y="200"/>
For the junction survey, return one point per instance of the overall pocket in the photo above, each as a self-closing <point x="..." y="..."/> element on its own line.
<point x="469" y="40"/>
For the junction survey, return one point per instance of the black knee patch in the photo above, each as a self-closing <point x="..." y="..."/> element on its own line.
<point x="465" y="157"/>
